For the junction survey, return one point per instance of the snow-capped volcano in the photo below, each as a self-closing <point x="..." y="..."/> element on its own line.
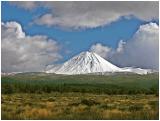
<point x="89" y="62"/>
<point x="85" y="62"/>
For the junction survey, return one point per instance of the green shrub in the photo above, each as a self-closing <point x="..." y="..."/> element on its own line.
<point x="135" y="107"/>
<point x="89" y="102"/>
<point x="98" y="84"/>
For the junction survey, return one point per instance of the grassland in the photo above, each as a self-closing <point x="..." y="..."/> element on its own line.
<point x="50" y="96"/>
<point x="79" y="106"/>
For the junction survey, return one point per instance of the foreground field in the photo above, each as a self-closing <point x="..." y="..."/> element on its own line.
<point x="78" y="106"/>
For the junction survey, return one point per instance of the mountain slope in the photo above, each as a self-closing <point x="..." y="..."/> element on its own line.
<point x="89" y="62"/>
<point x="137" y="70"/>
<point x="85" y="62"/>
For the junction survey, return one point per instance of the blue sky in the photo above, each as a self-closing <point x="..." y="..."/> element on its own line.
<point x="72" y="39"/>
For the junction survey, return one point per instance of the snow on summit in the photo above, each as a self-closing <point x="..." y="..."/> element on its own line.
<point x="85" y="62"/>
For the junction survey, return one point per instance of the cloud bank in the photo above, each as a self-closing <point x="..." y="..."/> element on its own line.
<point x="22" y="53"/>
<point x="91" y="14"/>
<point x="141" y="51"/>
<point x="28" y="5"/>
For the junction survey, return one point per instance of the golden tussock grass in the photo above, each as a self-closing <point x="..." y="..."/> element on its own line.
<point x="79" y="106"/>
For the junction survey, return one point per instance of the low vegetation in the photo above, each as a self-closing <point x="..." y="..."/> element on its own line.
<point x="49" y="96"/>
<point x="79" y="106"/>
<point x="98" y="84"/>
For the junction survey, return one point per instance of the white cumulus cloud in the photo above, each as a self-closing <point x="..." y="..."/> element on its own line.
<point x="90" y="14"/>
<point x="22" y="53"/>
<point x="101" y="50"/>
<point x="141" y="51"/>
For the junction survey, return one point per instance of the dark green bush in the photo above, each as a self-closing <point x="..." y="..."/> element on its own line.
<point x="118" y="84"/>
<point x="88" y="102"/>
